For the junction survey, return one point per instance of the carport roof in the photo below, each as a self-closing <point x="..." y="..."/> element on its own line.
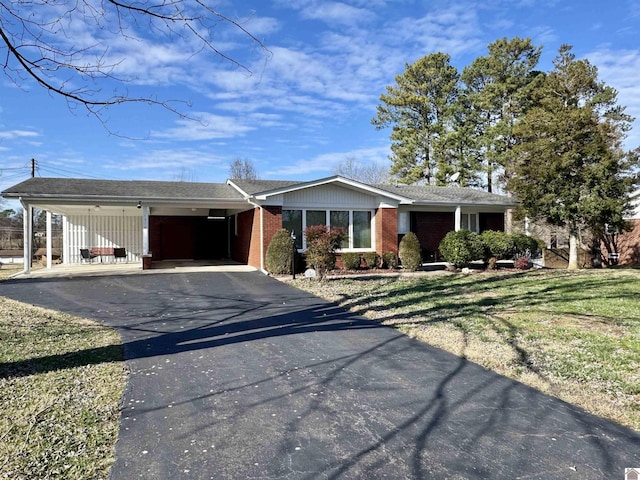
<point x="41" y="187"/>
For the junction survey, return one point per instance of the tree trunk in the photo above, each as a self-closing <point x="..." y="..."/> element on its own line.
<point x="573" y="249"/>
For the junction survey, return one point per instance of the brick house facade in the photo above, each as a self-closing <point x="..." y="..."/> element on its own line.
<point x="158" y="221"/>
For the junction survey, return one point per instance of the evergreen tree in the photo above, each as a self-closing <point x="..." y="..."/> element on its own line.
<point x="418" y="109"/>
<point x="498" y="87"/>
<point x="570" y="167"/>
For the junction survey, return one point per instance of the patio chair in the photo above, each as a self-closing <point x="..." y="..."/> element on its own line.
<point x="120" y="253"/>
<point x="86" y="255"/>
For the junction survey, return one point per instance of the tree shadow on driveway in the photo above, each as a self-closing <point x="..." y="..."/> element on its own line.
<point x="240" y="376"/>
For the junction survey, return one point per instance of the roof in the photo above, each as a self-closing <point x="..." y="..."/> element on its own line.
<point x="237" y="190"/>
<point x="136" y="189"/>
<point x="262" y="189"/>
<point x="429" y="194"/>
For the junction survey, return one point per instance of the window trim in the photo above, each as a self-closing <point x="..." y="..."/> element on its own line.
<point x="327" y="223"/>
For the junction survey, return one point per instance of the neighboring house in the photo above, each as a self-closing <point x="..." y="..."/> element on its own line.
<point x="628" y="243"/>
<point x="237" y="220"/>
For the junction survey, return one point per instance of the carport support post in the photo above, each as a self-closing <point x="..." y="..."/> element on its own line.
<point x="27" y="231"/>
<point x="49" y="240"/>
<point x="145" y="230"/>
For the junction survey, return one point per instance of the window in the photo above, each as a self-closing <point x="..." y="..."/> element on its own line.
<point x="292" y="221"/>
<point x="316" y="217"/>
<point x="361" y="229"/>
<point x="356" y="223"/>
<point x="469" y="221"/>
<point x="340" y="219"/>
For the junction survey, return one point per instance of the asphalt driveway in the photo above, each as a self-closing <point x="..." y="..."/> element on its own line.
<point x="236" y="375"/>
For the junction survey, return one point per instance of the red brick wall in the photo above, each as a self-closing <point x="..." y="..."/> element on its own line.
<point x="241" y="243"/>
<point x="246" y="245"/>
<point x="386" y="221"/>
<point x="430" y="228"/>
<point x="272" y="223"/>
<point x="629" y="245"/>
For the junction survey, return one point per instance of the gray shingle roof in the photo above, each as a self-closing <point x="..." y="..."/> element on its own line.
<point x="76" y="188"/>
<point x="252" y="187"/>
<point x="448" y="195"/>
<point x="138" y="189"/>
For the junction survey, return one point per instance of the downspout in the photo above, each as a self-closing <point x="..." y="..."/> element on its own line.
<point x="262" y="269"/>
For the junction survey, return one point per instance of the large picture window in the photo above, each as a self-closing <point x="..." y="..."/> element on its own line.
<point x="357" y="224"/>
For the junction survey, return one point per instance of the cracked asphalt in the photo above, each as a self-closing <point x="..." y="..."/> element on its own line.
<point x="234" y="375"/>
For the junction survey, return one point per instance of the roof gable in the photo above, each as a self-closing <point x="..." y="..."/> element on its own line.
<point x="262" y="190"/>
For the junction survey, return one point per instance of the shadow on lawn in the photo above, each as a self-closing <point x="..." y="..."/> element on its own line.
<point x="368" y="402"/>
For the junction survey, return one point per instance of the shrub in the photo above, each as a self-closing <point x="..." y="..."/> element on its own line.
<point x="350" y="260"/>
<point x="492" y="263"/>
<point x="461" y="247"/>
<point x="522" y="263"/>
<point x="322" y="243"/>
<point x="409" y="252"/>
<point x="279" y="253"/>
<point x="525" y="245"/>
<point x="497" y="244"/>
<point x="371" y="259"/>
<point x="390" y="260"/>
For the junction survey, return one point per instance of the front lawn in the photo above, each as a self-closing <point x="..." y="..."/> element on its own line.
<point x="574" y="335"/>
<point x="61" y="380"/>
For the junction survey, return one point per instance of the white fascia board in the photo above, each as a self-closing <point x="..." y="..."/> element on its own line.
<point x="242" y="192"/>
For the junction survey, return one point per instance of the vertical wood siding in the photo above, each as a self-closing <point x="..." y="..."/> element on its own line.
<point x="86" y="231"/>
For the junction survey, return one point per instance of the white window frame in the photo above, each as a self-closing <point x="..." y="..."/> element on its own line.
<point x="465" y="217"/>
<point x="327" y="218"/>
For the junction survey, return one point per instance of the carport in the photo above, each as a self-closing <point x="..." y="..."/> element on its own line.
<point x="149" y="219"/>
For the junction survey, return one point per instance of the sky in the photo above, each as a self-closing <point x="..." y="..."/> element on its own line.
<point x="295" y="109"/>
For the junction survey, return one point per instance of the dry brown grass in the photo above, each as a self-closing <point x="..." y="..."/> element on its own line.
<point x="573" y="335"/>
<point x="61" y="380"/>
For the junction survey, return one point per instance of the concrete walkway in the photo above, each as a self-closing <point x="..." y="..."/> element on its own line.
<point x="235" y="375"/>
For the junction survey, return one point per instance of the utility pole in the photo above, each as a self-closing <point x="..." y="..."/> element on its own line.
<point x="33" y="167"/>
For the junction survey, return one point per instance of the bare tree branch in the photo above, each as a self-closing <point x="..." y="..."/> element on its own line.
<point x="68" y="46"/>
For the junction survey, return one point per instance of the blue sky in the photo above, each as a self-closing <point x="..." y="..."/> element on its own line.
<point x="307" y="103"/>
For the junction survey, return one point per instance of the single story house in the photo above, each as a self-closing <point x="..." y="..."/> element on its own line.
<point x="152" y="221"/>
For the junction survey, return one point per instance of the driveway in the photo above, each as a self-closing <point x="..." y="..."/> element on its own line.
<point x="235" y="375"/>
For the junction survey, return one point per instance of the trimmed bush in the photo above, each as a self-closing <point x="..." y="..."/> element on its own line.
<point x="409" y="252"/>
<point x="350" y="260"/>
<point x="497" y="244"/>
<point x="461" y="247"/>
<point x="371" y="259"/>
<point x="524" y="245"/>
<point x="390" y="260"/>
<point x="279" y="253"/>
<point x="322" y="244"/>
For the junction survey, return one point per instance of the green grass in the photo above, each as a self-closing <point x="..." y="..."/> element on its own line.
<point x="61" y="380"/>
<point x="575" y="335"/>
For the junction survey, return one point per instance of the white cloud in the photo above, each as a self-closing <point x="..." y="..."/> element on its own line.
<point x="337" y="13"/>
<point x="208" y="126"/>
<point x="15" y="134"/>
<point x="326" y="163"/>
